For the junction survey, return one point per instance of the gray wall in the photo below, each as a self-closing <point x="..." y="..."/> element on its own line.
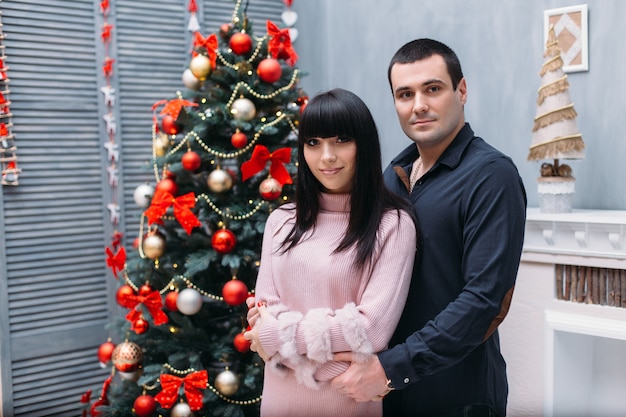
<point x="348" y="43"/>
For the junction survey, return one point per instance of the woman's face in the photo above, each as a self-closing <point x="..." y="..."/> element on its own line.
<point x="332" y="161"/>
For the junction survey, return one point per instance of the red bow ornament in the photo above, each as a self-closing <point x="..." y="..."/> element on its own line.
<point x="182" y="209"/>
<point x="116" y="261"/>
<point x="194" y="383"/>
<point x="279" y="45"/>
<point x="152" y="302"/>
<point x="209" y="43"/>
<point x="258" y="161"/>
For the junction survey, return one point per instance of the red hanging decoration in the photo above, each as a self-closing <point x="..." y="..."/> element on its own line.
<point x="182" y="209"/>
<point x="210" y="44"/>
<point x="153" y="304"/>
<point x="116" y="261"/>
<point x="258" y="161"/>
<point x="279" y="46"/>
<point x="193" y="384"/>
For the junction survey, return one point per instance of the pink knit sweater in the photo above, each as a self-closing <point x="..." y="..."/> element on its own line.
<point x="322" y="304"/>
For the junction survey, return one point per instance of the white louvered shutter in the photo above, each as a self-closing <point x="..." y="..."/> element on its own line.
<point x="56" y="293"/>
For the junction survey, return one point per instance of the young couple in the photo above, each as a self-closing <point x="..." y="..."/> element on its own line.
<point x="391" y="285"/>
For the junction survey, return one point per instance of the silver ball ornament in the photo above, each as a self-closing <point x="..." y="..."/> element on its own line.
<point x="243" y="109"/>
<point x="181" y="410"/>
<point x="189" y="301"/>
<point x="227" y="383"/>
<point x="219" y="181"/>
<point x="143" y="195"/>
<point x="191" y="81"/>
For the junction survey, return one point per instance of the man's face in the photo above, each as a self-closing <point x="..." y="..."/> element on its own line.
<point x="429" y="110"/>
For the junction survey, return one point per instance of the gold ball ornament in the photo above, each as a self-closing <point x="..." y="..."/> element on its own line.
<point x="191" y="81"/>
<point x="227" y="383"/>
<point x="154" y="245"/>
<point x="181" y="410"/>
<point x="200" y="67"/>
<point x="219" y="181"/>
<point x="243" y="109"/>
<point x="127" y="357"/>
<point x="161" y="144"/>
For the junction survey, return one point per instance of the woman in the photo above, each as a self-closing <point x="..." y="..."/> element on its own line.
<point x="335" y="266"/>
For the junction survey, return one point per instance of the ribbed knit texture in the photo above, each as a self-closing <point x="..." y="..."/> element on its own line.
<point x="322" y="304"/>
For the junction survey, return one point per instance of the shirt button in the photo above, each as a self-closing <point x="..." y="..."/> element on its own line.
<point x="407" y="380"/>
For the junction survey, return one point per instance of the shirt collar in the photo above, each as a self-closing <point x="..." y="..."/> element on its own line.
<point x="450" y="157"/>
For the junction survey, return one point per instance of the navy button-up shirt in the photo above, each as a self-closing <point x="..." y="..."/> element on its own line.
<point x="471" y="208"/>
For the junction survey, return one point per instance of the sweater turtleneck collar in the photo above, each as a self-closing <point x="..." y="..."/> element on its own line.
<point x="335" y="202"/>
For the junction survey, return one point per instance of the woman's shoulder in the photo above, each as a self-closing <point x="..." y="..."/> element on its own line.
<point x="282" y="214"/>
<point x="397" y="217"/>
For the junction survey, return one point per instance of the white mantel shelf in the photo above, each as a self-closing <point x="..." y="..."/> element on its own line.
<point x="580" y="233"/>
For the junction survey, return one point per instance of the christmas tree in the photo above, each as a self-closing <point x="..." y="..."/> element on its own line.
<point x="555" y="134"/>
<point x="224" y="153"/>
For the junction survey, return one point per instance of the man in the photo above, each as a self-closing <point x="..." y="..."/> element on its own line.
<point x="445" y="358"/>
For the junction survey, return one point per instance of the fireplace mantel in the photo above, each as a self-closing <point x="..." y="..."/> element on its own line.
<point x="565" y="357"/>
<point x="598" y="234"/>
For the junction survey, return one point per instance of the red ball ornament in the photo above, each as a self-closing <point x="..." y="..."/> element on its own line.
<point x="170" y="300"/>
<point x="235" y="292"/>
<point x="239" y="140"/>
<point x="169" y="125"/>
<point x="223" y="241"/>
<point x="144" y="290"/>
<point x="225" y="30"/>
<point x="122" y="296"/>
<point x="240" y="43"/>
<point x="269" y="70"/>
<point x="169" y="185"/>
<point x="105" y="351"/>
<point x="191" y="161"/>
<point x="270" y="189"/>
<point x="145" y="405"/>
<point x="241" y="344"/>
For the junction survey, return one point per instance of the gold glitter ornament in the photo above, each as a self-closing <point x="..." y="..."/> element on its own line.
<point x="227" y="383"/>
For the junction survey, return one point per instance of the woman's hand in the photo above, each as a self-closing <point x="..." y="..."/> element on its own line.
<point x="253" y="334"/>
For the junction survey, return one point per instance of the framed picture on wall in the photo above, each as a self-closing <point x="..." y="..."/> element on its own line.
<point x="570" y="27"/>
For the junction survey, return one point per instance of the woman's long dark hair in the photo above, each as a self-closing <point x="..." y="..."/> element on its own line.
<point x="341" y="113"/>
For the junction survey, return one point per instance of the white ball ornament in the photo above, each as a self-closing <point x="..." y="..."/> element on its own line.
<point x="189" y="301"/>
<point x="190" y="81"/>
<point x="143" y="195"/>
<point x="243" y="109"/>
<point x="182" y="410"/>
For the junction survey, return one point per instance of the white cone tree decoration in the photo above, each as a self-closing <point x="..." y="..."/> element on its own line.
<point x="555" y="133"/>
